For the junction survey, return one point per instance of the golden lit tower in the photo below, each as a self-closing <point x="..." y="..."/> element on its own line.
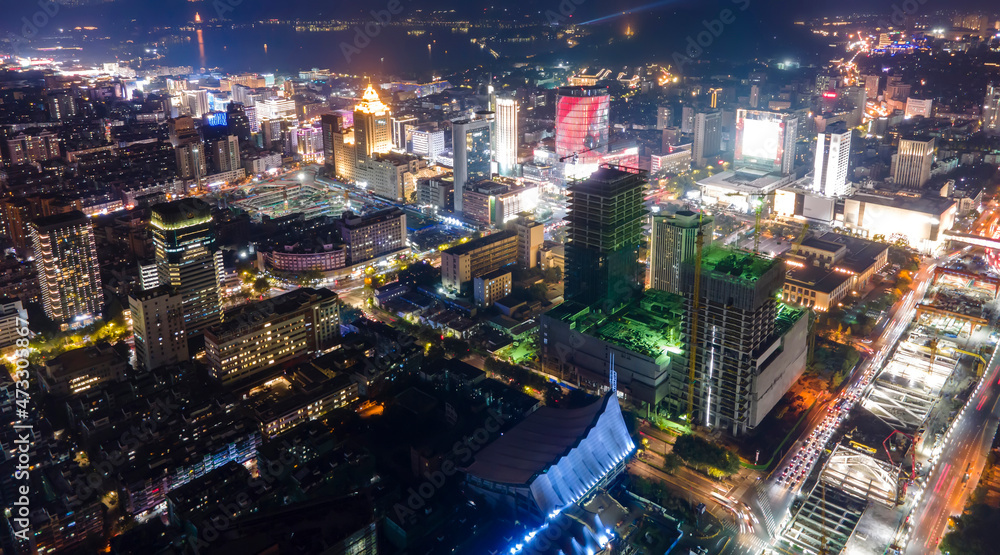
<point x="371" y="126"/>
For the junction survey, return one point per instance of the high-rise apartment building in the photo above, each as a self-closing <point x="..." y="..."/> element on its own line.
<point x="664" y="117"/>
<point x="582" y="122"/>
<point x="225" y="154"/>
<point x="911" y="166"/>
<point x="604" y="230"/>
<point x="506" y="135"/>
<point x="472" y="156"/>
<point x="158" y="327"/>
<point x="371" y="126"/>
<point x="196" y="103"/>
<point x="25" y="148"/>
<point x="991" y="108"/>
<point x="707" y="137"/>
<point x="191" y="161"/>
<point x="188" y="259"/>
<point x="871" y="86"/>
<point x="672" y="241"/>
<point x="833" y="156"/>
<point x="68" y="271"/>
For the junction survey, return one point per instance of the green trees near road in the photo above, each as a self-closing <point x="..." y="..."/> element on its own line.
<point x="975" y="533"/>
<point x="700" y="452"/>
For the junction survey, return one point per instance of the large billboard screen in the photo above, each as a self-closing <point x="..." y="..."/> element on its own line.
<point x="582" y="124"/>
<point x="759" y="140"/>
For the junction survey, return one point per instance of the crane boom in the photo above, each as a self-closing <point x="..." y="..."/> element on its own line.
<point x="699" y="242"/>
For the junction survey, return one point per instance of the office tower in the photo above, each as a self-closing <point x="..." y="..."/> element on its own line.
<point x="911" y="166"/>
<point x="766" y="140"/>
<point x="225" y="154"/>
<point x="672" y="241"/>
<point x="687" y="119"/>
<point x="707" y="137"/>
<point x="191" y="161"/>
<point x="713" y="94"/>
<point x="664" y="117"/>
<point x="401" y="128"/>
<point x="506" y="135"/>
<point x="196" y="103"/>
<point x="188" y="260"/>
<point x="182" y="131"/>
<point x="604" y="230"/>
<point x="330" y="124"/>
<point x="241" y="93"/>
<point x="427" y="142"/>
<point x="372" y="235"/>
<point x="991" y="108"/>
<point x="258" y="336"/>
<point x="871" y="86"/>
<point x="754" y="96"/>
<point x="833" y="155"/>
<point x="158" y="327"/>
<point x="463" y="263"/>
<point x="472" y="156"/>
<point x="238" y="122"/>
<point x="371" y="126"/>
<point x="251" y="112"/>
<point x="582" y="122"/>
<point x="737" y="314"/>
<point x="68" y="272"/>
<point x="276" y="108"/>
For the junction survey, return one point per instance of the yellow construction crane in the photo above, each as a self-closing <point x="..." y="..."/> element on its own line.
<point x="802" y="237"/>
<point x="758" y="210"/>
<point x="699" y="242"/>
<point x="822" y="541"/>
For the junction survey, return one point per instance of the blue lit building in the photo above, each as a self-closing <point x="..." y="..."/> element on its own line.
<point x="552" y="459"/>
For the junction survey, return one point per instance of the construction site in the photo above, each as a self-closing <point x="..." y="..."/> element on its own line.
<point x="873" y="471"/>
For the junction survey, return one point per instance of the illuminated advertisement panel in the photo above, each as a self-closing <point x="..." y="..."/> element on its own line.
<point x="759" y="140"/>
<point x="582" y="122"/>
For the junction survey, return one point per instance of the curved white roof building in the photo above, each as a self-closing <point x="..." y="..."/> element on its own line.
<point x="553" y="458"/>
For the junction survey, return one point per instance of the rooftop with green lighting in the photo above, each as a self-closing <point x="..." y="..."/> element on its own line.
<point x="737" y="263"/>
<point x="650" y="326"/>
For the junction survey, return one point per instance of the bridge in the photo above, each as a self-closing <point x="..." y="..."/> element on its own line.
<point x="976" y="240"/>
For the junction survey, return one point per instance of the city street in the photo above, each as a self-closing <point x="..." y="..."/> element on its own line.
<point x="965" y="452"/>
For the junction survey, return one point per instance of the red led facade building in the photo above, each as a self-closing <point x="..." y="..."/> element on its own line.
<point x="582" y="122"/>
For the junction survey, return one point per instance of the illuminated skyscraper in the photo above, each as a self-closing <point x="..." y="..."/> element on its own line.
<point x="401" y="128"/>
<point x="671" y="242"/>
<point x="68" y="272"/>
<point x="833" y="154"/>
<point x="605" y="218"/>
<point x="991" y="108"/>
<point x="372" y="132"/>
<point x="188" y="260"/>
<point x="506" y="135"/>
<point x="707" y="137"/>
<point x="158" y="327"/>
<point x="471" y="145"/>
<point x="582" y="122"/>
<point x="911" y="166"/>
